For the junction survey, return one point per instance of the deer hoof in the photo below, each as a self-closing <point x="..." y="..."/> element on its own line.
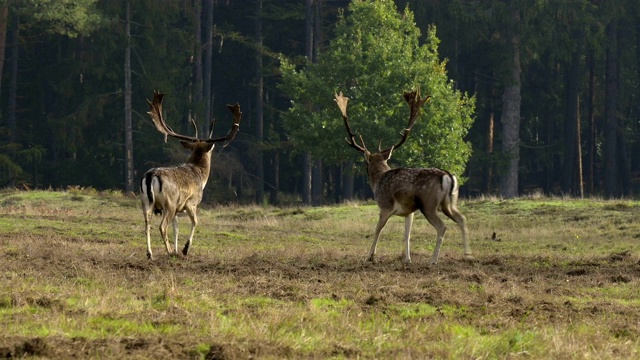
<point x="149" y="256"/>
<point x="468" y="257"/>
<point x="185" y="251"/>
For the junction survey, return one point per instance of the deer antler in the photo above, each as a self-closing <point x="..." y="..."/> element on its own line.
<point x="415" y="103"/>
<point x="342" y="104"/>
<point x="235" y="127"/>
<point x="161" y="125"/>
<point x="195" y="126"/>
<point x="158" y="119"/>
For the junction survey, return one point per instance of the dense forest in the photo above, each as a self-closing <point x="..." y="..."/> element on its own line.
<point x="546" y="93"/>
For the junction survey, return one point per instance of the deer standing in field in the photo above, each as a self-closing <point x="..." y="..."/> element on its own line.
<point x="173" y="189"/>
<point x="403" y="191"/>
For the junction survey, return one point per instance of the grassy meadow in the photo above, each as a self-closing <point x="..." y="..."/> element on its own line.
<point x="552" y="278"/>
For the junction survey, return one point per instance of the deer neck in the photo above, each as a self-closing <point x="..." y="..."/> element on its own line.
<point x="201" y="163"/>
<point x="376" y="170"/>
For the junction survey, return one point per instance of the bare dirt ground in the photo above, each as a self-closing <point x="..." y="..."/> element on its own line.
<point x="516" y="289"/>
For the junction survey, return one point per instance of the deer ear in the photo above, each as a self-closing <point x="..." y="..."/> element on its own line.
<point x="187" y="144"/>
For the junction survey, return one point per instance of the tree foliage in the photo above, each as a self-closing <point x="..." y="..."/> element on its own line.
<point x="374" y="57"/>
<point x="71" y="18"/>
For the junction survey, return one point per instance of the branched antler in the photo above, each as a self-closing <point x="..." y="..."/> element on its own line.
<point x="235" y="127"/>
<point x="158" y="120"/>
<point x="415" y="103"/>
<point x="342" y="104"/>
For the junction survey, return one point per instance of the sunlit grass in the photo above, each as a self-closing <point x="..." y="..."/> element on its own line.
<point x="559" y="279"/>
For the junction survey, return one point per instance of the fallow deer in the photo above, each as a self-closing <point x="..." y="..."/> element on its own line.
<point x="403" y="191"/>
<point x="173" y="189"/>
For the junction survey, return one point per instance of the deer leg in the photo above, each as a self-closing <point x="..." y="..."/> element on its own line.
<point x="440" y="227"/>
<point x="408" y="221"/>
<point x="147" y="231"/>
<point x="382" y="221"/>
<point x="164" y="223"/>
<point x="456" y="216"/>
<point x="194" y="222"/>
<point x="174" y="224"/>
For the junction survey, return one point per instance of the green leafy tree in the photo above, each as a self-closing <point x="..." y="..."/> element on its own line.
<point x="65" y="17"/>
<point x="376" y="56"/>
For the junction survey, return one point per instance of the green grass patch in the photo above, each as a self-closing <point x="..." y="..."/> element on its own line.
<point x="552" y="278"/>
<point x="419" y="310"/>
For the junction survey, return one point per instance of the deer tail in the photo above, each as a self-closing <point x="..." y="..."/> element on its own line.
<point x="147" y="188"/>
<point x="450" y="185"/>
<point x="454" y="186"/>
<point x="147" y="184"/>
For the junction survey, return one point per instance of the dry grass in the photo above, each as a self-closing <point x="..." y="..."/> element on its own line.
<point x="558" y="280"/>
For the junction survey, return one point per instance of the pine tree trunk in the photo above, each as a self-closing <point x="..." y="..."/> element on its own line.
<point x="487" y="169"/>
<point x="306" y="161"/>
<point x="510" y="120"/>
<point x="128" y="130"/>
<point x="208" y="62"/>
<point x="347" y="180"/>
<point x="306" y="178"/>
<point x="336" y="183"/>
<point x="317" y="183"/>
<point x="197" y="93"/>
<point x="259" y="105"/>
<point x="611" y="188"/>
<point x="275" y="189"/>
<point x="570" y="168"/>
<point x="578" y="160"/>
<point x="13" y="80"/>
<point x="623" y="162"/>
<point x="591" y="120"/>
<point x="4" y="18"/>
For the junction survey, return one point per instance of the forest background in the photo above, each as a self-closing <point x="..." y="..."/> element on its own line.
<point x="555" y="86"/>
